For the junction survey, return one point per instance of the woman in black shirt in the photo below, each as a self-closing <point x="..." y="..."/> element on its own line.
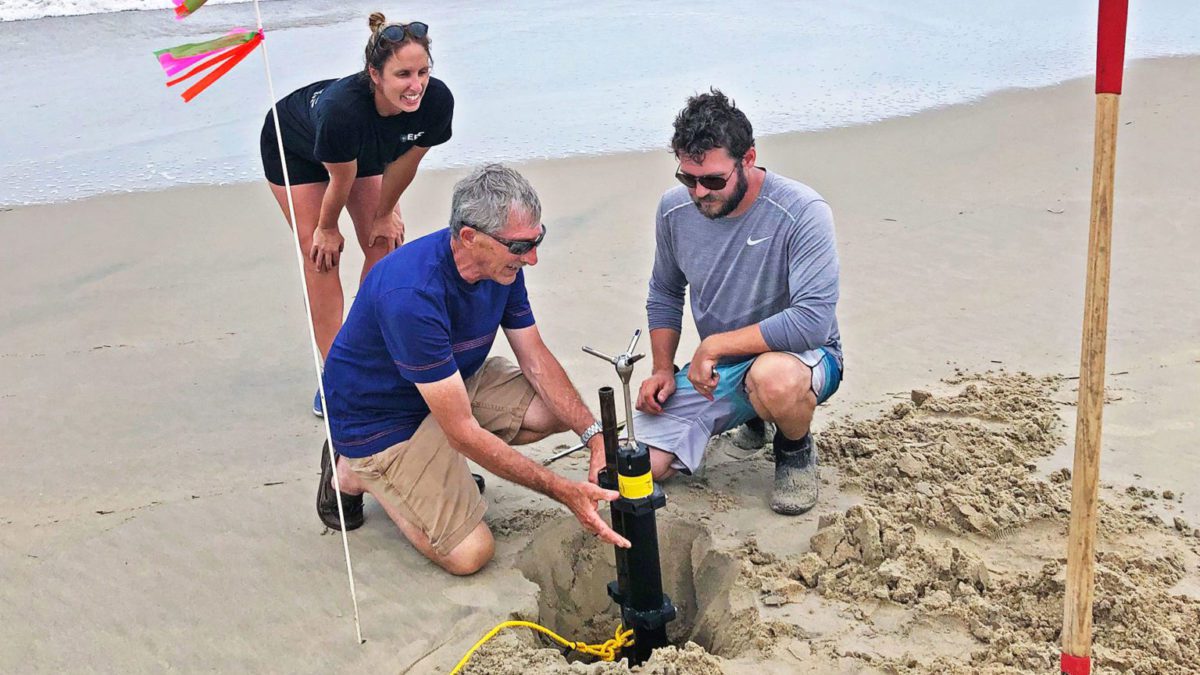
<point x="355" y="143"/>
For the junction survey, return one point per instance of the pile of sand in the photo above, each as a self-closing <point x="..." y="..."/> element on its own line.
<point x="865" y="556"/>
<point x="962" y="462"/>
<point x="865" y="553"/>
<point x="1139" y="626"/>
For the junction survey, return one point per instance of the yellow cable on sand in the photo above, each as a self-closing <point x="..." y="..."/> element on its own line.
<point x="606" y="651"/>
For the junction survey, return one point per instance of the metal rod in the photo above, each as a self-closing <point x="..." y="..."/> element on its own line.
<point x="312" y="335"/>
<point x="601" y="354"/>
<point x="629" y="415"/>
<point x="574" y="449"/>
<point x="637" y="334"/>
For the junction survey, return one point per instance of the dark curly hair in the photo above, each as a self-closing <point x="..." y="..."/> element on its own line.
<point x="710" y="121"/>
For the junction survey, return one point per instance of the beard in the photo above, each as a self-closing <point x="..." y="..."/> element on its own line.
<point x="724" y="207"/>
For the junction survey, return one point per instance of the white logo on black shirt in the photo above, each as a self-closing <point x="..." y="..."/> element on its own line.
<point x="408" y="138"/>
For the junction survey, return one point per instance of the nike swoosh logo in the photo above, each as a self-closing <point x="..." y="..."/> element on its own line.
<point x="750" y="241"/>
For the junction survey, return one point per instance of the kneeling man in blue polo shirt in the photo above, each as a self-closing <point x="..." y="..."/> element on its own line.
<point x="411" y="393"/>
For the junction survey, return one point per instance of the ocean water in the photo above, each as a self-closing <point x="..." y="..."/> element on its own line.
<point x="83" y="109"/>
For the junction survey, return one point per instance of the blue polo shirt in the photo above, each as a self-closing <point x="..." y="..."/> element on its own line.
<point x="415" y="320"/>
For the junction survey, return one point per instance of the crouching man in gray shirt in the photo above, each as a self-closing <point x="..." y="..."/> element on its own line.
<point x="759" y="254"/>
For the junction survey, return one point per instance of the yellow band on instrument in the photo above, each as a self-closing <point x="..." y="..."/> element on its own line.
<point x="635" y="487"/>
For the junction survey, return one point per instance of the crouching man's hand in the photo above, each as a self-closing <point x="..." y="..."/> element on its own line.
<point x="655" y="391"/>
<point x="702" y="372"/>
<point x="584" y="499"/>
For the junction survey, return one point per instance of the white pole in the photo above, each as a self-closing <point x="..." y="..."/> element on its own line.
<point x="312" y="335"/>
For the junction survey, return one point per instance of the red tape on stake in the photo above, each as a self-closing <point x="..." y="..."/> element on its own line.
<point x="1075" y="665"/>
<point x="1110" y="46"/>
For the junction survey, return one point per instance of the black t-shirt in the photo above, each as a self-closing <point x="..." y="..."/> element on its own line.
<point x="336" y="121"/>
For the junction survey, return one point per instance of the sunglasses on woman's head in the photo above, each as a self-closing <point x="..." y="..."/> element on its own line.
<point x="515" y="246"/>
<point x="709" y="182"/>
<point x="395" y="32"/>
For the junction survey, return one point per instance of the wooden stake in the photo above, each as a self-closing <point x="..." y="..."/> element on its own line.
<point x="1081" y="548"/>
<point x="1081" y="539"/>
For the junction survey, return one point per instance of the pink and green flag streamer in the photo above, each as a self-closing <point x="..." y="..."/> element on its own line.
<point x="223" y="53"/>
<point x="185" y="8"/>
<point x="220" y="54"/>
<point x="175" y="59"/>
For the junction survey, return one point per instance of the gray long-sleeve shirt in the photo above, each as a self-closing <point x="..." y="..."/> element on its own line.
<point x="775" y="265"/>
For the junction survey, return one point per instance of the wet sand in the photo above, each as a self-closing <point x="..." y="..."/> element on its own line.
<point x="156" y="508"/>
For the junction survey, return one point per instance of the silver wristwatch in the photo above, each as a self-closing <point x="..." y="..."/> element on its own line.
<point x="589" y="432"/>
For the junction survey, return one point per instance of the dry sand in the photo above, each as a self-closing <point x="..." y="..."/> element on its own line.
<point x="160" y="464"/>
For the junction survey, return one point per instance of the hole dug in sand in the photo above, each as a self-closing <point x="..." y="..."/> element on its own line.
<point x="572" y="568"/>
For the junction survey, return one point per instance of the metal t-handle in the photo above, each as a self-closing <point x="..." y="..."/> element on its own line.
<point x="624" y="365"/>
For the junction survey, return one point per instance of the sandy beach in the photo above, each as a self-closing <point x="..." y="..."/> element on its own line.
<point x="156" y="507"/>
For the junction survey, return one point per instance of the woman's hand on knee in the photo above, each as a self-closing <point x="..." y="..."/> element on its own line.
<point x="327" y="247"/>
<point x="386" y="231"/>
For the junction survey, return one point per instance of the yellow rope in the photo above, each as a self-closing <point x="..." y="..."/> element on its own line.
<point x="606" y="651"/>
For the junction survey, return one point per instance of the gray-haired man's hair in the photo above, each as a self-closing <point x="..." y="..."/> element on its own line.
<point x="484" y="198"/>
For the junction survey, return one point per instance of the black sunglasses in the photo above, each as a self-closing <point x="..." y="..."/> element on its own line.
<point x="709" y="182"/>
<point x="515" y="246"/>
<point x="396" y="31"/>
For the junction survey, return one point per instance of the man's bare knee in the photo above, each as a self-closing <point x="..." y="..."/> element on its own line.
<point x="780" y="389"/>
<point x="471" y="554"/>
<point x="660" y="464"/>
<point x="780" y="386"/>
<point x="539" y="418"/>
<point x="538" y="423"/>
<point x="525" y="437"/>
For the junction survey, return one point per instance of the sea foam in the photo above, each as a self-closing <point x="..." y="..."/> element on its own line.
<point x="24" y="10"/>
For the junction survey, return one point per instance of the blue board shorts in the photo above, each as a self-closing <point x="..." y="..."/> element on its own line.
<point x="688" y="419"/>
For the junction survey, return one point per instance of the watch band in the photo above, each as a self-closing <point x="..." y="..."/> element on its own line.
<point x="589" y="432"/>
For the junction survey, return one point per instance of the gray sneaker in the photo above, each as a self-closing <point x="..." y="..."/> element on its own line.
<point x="752" y="435"/>
<point x="796" y="477"/>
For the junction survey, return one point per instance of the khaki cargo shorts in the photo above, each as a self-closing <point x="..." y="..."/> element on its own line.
<point x="428" y="482"/>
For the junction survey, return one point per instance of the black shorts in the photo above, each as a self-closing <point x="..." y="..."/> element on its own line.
<point x="300" y="170"/>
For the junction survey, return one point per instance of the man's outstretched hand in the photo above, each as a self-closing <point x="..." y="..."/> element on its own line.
<point x="583" y="498"/>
